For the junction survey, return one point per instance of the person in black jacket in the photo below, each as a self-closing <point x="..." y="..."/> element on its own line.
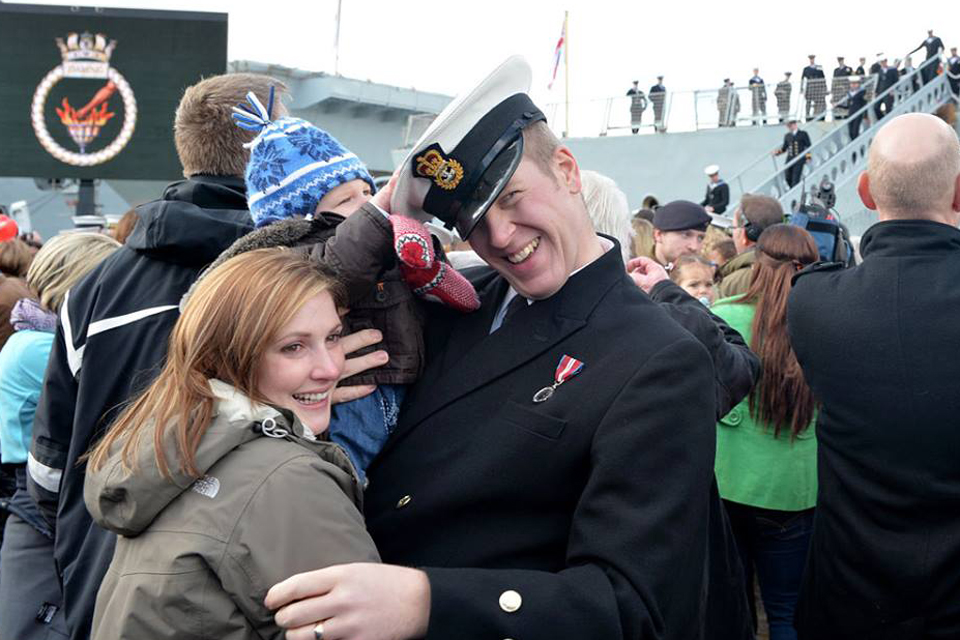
<point x="839" y="85"/>
<point x="933" y="45"/>
<point x="887" y="76"/>
<point x="953" y="71"/>
<point x="813" y="85"/>
<point x="852" y="103"/>
<point x="795" y="144"/>
<point x="658" y="97"/>
<point x="878" y="344"/>
<point x="718" y="192"/>
<point x="758" y="98"/>
<point x="520" y="480"/>
<point x="114" y="323"/>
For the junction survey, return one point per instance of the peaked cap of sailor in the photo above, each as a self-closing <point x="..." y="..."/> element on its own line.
<point x="465" y="158"/>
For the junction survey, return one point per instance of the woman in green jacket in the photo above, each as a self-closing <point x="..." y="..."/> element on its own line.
<point x="766" y="451"/>
<point x="220" y="479"/>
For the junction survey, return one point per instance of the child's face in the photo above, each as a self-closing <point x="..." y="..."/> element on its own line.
<point x="345" y="198"/>
<point x="697" y="280"/>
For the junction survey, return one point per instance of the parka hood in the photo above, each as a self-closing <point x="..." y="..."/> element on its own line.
<point x="127" y="503"/>
<point x="193" y="221"/>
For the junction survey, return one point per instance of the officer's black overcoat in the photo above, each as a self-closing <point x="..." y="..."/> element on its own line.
<point x="591" y="506"/>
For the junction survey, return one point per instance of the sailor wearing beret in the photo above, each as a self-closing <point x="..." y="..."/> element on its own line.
<point x="550" y="476"/>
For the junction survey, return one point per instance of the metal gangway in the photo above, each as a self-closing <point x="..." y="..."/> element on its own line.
<point x="837" y="156"/>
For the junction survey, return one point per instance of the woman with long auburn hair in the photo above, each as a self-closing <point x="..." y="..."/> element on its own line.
<point x="766" y="451"/>
<point x="219" y="478"/>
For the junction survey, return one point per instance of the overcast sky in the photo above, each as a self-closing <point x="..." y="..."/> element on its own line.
<point x="446" y="46"/>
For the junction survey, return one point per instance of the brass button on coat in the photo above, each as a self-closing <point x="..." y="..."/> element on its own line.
<point x="510" y="601"/>
<point x="404" y="501"/>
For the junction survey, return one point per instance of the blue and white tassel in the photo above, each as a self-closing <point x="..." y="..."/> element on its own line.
<point x="251" y="115"/>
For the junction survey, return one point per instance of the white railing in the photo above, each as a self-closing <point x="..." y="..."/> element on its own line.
<point x="845" y="163"/>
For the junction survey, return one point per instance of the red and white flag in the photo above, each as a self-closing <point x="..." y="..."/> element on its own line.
<point x="561" y="43"/>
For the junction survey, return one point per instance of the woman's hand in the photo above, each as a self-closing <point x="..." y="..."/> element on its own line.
<point x="352" y="343"/>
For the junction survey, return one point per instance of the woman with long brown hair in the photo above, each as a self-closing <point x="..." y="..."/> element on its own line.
<point x="219" y="478"/>
<point x="766" y="451"/>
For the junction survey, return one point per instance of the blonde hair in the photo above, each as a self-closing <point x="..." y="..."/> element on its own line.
<point x="643" y="242"/>
<point x="228" y="323"/>
<point x="713" y="239"/>
<point x="204" y="132"/>
<point x="63" y="261"/>
<point x="608" y="208"/>
<point x="15" y="257"/>
<point x="540" y="144"/>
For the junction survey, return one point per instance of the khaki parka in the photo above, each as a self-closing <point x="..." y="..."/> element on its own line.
<point x="196" y="556"/>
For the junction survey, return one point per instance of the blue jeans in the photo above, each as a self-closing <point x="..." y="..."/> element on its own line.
<point x="773" y="545"/>
<point x="362" y="426"/>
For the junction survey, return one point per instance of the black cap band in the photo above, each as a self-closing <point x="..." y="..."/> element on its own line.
<point x="466" y="164"/>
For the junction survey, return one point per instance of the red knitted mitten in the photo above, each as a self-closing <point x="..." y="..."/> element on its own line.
<point x="430" y="278"/>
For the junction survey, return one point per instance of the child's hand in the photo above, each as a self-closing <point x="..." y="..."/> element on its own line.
<point x="430" y="278"/>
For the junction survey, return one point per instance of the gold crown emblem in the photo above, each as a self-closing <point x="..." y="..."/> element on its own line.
<point x="86" y="46"/>
<point x="446" y="172"/>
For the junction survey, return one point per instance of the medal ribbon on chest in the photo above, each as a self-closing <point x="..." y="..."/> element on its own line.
<point x="567" y="368"/>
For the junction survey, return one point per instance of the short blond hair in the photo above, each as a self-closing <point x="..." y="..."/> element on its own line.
<point x="63" y="261"/>
<point x="643" y="242"/>
<point x="207" y="140"/>
<point x="540" y="144"/>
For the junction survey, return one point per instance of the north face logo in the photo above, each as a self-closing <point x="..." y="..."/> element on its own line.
<point x="206" y="486"/>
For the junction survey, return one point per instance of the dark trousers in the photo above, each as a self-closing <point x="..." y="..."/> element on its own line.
<point x="883" y="107"/>
<point x="929" y="72"/>
<point x="854" y="127"/>
<point x="773" y="546"/>
<point x="794" y="171"/>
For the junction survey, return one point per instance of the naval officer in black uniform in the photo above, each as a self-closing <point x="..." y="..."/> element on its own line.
<point x="953" y="71"/>
<point x="813" y="84"/>
<point x="551" y="474"/>
<point x="933" y="45"/>
<point x="839" y="85"/>
<point x="758" y="98"/>
<point x="795" y="143"/>
<point x="853" y="102"/>
<point x="658" y="98"/>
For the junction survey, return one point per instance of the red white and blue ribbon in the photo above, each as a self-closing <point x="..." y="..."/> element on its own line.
<point x="567" y="368"/>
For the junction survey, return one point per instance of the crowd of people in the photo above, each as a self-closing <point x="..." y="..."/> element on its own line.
<point x="275" y="405"/>
<point x="848" y="91"/>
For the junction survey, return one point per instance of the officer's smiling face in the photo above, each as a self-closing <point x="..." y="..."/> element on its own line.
<point x="538" y="231"/>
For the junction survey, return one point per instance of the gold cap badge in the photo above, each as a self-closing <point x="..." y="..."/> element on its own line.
<point x="445" y="172"/>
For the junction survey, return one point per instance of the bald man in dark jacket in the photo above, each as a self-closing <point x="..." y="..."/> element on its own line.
<point x="878" y="344"/>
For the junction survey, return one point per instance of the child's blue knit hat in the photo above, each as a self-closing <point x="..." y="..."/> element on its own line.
<point x="293" y="164"/>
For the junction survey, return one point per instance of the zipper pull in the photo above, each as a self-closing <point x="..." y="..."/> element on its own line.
<point x="381" y="295"/>
<point x="270" y="429"/>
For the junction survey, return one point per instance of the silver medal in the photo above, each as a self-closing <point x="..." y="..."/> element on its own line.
<point x="544" y="394"/>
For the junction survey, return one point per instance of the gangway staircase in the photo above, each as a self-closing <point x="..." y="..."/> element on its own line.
<point x="840" y="158"/>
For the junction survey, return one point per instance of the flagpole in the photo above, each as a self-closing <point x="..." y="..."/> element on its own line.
<point x="566" y="71"/>
<point x="336" y="42"/>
